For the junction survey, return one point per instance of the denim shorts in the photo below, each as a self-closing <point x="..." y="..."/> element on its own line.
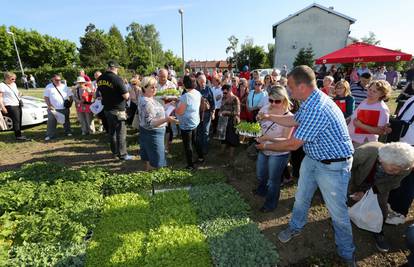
<point x="152" y="148"/>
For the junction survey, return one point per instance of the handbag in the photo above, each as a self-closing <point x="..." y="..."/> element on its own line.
<point x="398" y="126"/>
<point x="222" y="127"/>
<point x="252" y="150"/>
<point x="66" y="102"/>
<point x="366" y="213"/>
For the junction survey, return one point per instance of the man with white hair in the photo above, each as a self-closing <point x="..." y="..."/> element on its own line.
<point x="163" y="82"/>
<point x="380" y="167"/>
<point x="207" y="108"/>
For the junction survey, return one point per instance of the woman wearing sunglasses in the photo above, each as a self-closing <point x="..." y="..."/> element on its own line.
<point x="270" y="164"/>
<point x="257" y="98"/>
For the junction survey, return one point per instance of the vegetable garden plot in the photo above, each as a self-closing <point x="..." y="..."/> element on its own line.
<point x="49" y="212"/>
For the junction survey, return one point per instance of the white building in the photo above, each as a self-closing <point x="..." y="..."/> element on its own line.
<point x="322" y="28"/>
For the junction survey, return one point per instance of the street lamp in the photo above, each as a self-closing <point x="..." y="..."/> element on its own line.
<point x="181" y="11"/>
<point x="17" y="51"/>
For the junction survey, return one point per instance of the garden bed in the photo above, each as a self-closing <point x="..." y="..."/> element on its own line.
<point x="55" y="216"/>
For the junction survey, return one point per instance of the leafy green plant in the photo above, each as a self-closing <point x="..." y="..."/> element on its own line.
<point x="168" y="92"/>
<point x="45" y="254"/>
<point x="218" y="201"/>
<point x="233" y="239"/>
<point x="119" y="236"/>
<point x="249" y="128"/>
<point x="177" y="246"/>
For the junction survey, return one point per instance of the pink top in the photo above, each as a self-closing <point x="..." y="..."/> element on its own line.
<point x="383" y="119"/>
<point x="274" y="131"/>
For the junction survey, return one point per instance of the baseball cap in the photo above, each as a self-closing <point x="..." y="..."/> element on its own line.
<point x="113" y="64"/>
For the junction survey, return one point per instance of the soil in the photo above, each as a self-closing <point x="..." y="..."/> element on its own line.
<point x="314" y="247"/>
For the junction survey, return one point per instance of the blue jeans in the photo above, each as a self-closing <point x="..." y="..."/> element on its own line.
<point x="203" y="131"/>
<point x="269" y="173"/>
<point x="332" y="180"/>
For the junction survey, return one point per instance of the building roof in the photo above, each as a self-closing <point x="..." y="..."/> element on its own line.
<point x="329" y="10"/>
<point x="208" y="64"/>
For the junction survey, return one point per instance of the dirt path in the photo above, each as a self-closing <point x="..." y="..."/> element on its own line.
<point x="315" y="247"/>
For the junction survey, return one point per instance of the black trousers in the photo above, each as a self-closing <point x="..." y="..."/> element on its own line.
<point x="188" y="137"/>
<point x="117" y="134"/>
<point x="15" y="114"/>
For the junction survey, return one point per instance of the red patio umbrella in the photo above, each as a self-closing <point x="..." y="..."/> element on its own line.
<point x="362" y="52"/>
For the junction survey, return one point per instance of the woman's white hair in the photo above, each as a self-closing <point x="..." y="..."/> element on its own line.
<point x="398" y="153"/>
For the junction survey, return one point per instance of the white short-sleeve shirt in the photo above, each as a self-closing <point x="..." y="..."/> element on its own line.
<point x="10" y="94"/>
<point x="56" y="100"/>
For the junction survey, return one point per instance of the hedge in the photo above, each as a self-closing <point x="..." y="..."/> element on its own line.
<point x="44" y="74"/>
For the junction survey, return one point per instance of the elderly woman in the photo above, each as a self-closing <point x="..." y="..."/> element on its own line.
<point x="257" y="98"/>
<point x="270" y="164"/>
<point x="242" y="94"/>
<point x="188" y="115"/>
<point x="82" y="95"/>
<point x="380" y="167"/>
<point x="11" y="104"/>
<point x="370" y="118"/>
<point x="230" y="108"/>
<point x="152" y="125"/>
<point x="268" y="82"/>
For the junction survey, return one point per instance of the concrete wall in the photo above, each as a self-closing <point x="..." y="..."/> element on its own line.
<point x="325" y="32"/>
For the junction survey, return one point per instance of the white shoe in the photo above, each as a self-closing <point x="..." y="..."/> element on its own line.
<point x="127" y="157"/>
<point x="47" y="138"/>
<point x="395" y="218"/>
<point x="69" y="134"/>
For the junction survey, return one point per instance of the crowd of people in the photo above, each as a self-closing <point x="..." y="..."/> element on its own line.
<point x="324" y="137"/>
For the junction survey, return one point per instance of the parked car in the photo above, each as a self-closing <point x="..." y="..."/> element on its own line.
<point x="264" y="72"/>
<point x="34" y="112"/>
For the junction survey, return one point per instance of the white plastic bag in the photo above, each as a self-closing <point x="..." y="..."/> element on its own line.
<point x="366" y="213"/>
<point x="60" y="118"/>
<point x="96" y="107"/>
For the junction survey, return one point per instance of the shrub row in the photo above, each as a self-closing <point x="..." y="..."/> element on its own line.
<point x="140" y="231"/>
<point x="233" y="239"/>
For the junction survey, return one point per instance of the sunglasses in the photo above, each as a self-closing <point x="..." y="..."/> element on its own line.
<point x="225" y="90"/>
<point x="276" y="101"/>
<point x="258" y="84"/>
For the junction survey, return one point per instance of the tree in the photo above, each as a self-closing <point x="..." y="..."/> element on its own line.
<point x="94" y="50"/>
<point x="117" y="46"/>
<point x="304" y="57"/>
<point x="252" y="55"/>
<point x="36" y="50"/>
<point x="171" y="59"/>
<point x="144" y="47"/>
<point x="232" y="50"/>
<point x="371" y="39"/>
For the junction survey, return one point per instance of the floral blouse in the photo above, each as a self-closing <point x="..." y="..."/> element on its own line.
<point x="150" y="110"/>
<point x="231" y="104"/>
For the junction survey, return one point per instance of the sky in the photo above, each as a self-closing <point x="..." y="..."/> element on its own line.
<point x="207" y="24"/>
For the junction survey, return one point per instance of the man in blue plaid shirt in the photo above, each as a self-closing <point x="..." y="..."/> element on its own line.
<point x="323" y="133"/>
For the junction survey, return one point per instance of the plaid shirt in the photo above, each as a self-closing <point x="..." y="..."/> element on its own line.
<point x="322" y="128"/>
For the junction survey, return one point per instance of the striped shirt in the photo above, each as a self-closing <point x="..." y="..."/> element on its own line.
<point x="359" y="93"/>
<point x="322" y="128"/>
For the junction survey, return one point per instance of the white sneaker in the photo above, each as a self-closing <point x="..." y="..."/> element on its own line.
<point x="69" y="134"/>
<point x="47" y="138"/>
<point x="127" y="157"/>
<point x="395" y="218"/>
